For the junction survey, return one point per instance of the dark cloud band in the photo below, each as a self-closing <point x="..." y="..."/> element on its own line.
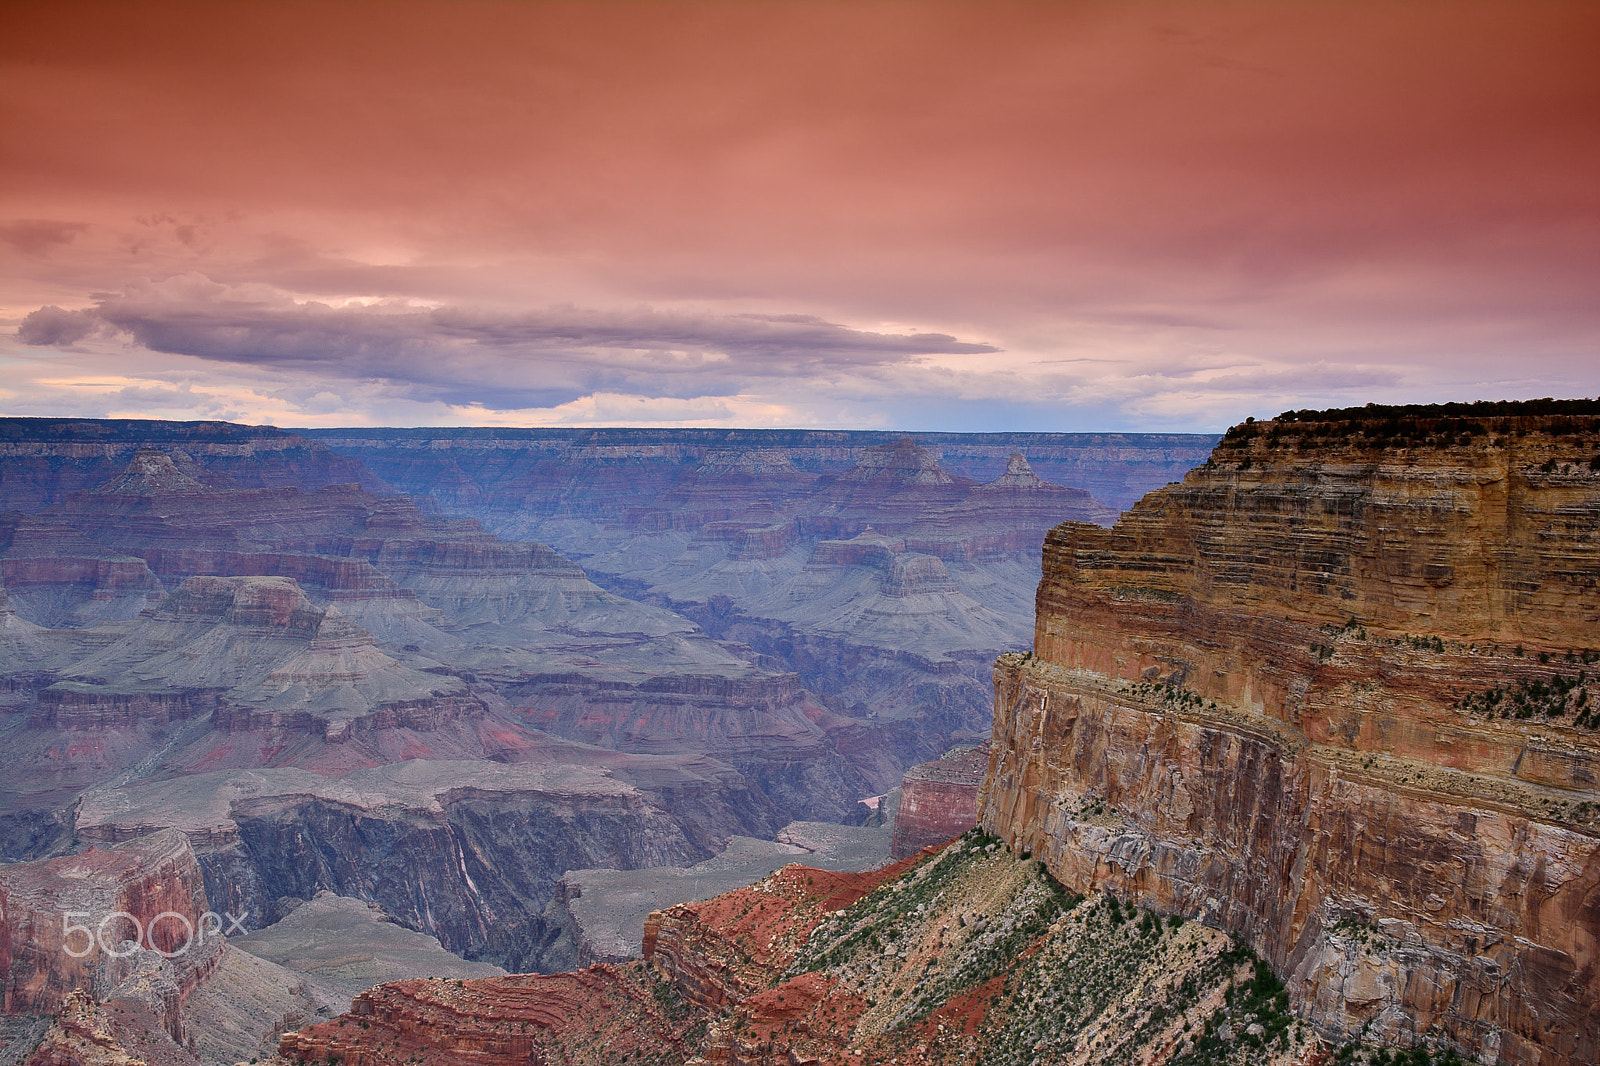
<point x="463" y="355"/>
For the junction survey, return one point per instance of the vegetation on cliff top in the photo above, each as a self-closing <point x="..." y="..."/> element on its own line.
<point x="1477" y="409"/>
<point x="980" y="956"/>
<point x="1429" y="425"/>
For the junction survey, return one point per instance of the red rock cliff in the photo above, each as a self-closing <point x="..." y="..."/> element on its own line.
<point x="150" y="889"/>
<point x="1333" y="693"/>
<point x="938" y="800"/>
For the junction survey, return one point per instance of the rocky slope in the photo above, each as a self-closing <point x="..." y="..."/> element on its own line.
<point x="1334" y="694"/>
<point x="966" y="955"/>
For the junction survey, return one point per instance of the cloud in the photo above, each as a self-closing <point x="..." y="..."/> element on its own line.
<point x="54" y="327"/>
<point x="35" y="236"/>
<point x="460" y="355"/>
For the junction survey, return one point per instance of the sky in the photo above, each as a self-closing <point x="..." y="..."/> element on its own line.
<point x="920" y="216"/>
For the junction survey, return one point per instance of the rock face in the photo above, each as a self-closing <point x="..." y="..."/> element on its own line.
<point x="1334" y="694"/>
<point x="939" y="800"/>
<point x="466" y="851"/>
<point x="127" y="922"/>
<point x="962" y="956"/>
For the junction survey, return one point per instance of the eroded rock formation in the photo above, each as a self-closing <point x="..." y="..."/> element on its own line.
<point x="1333" y="694"/>
<point x="126" y="922"/>
<point x="939" y="800"/>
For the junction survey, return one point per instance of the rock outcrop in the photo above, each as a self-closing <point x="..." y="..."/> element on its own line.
<point x="1333" y="694"/>
<point x="86" y="1033"/>
<point x="127" y="922"/>
<point x="939" y="800"/>
<point x="151" y="472"/>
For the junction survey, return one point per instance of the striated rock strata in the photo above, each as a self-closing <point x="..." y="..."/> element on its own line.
<point x="127" y="922"/>
<point x="939" y="800"/>
<point x="1334" y="693"/>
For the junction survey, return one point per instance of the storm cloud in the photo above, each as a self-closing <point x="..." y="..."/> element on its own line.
<point x="461" y="355"/>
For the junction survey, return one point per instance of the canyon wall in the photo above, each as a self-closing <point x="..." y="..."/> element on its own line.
<point x="128" y="922"/>
<point x="938" y="800"/>
<point x="1336" y="694"/>
<point x="471" y="467"/>
<point x="43" y="460"/>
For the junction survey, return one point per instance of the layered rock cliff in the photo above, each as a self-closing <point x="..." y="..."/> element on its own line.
<point x="1334" y="694"/>
<point x="938" y="800"/>
<point x="127" y="922"/>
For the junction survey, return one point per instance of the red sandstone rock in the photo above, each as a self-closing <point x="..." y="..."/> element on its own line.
<point x="70" y="923"/>
<point x="939" y="800"/>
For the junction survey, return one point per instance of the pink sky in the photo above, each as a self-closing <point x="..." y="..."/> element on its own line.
<point x="922" y="216"/>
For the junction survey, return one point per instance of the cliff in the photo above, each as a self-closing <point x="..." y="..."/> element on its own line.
<point x="466" y="851"/>
<point x="125" y="922"/>
<point x="938" y="800"/>
<point x="1334" y="694"/>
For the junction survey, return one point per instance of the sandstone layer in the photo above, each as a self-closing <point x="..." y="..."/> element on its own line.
<point x="939" y="800"/>
<point x="1333" y="694"/>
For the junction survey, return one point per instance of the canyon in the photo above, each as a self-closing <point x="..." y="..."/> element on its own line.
<point x="1302" y="767"/>
<point x="382" y="688"/>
